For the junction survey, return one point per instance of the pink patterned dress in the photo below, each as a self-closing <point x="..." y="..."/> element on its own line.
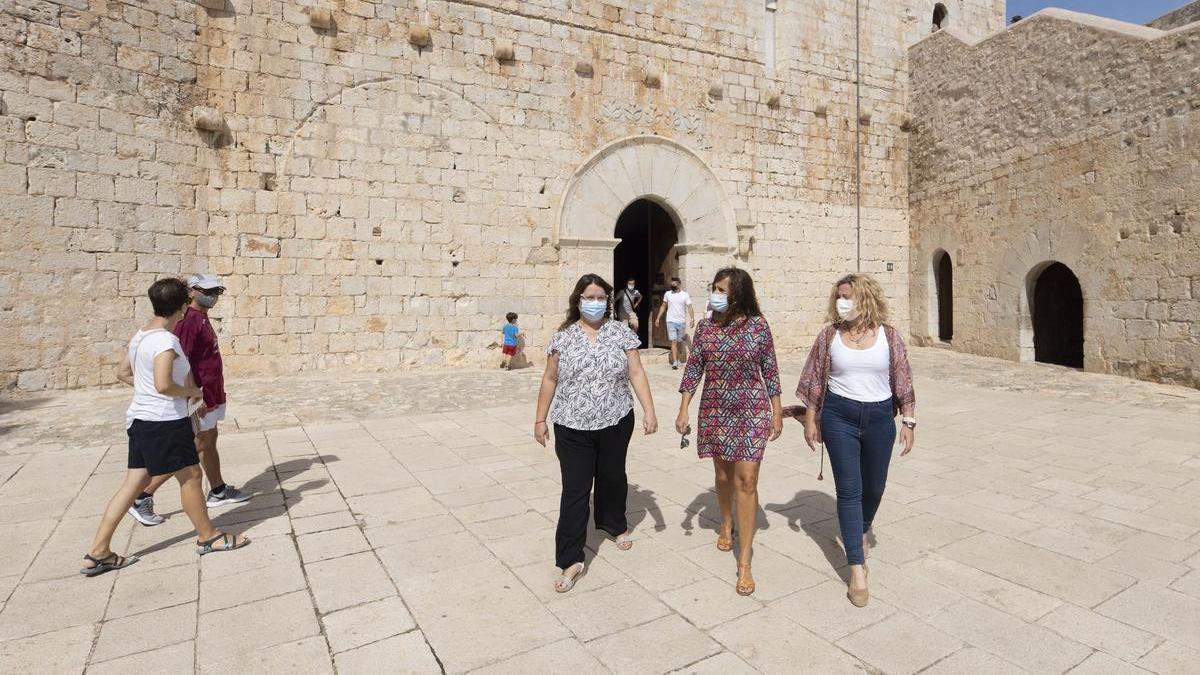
<point x="740" y="375"/>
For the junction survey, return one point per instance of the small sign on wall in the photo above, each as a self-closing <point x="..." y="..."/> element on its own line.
<point x="889" y="267"/>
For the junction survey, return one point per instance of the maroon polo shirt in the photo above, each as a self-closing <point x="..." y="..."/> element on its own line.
<point x="199" y="341"/>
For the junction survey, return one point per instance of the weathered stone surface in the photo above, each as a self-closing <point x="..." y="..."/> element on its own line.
<point x="1031" y="147"/>
<point x="357" y="179"/>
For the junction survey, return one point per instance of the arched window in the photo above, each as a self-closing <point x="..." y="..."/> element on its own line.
<point x="941" y="17"/>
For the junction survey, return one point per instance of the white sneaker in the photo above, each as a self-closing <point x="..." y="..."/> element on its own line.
<point x="143" y="511"/>
<point x="230" y="495"/>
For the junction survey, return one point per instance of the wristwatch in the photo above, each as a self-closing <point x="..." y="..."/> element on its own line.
<point x="910" y="422"/>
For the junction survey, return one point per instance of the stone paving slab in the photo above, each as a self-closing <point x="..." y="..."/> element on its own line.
<point x="1045" y="523"/>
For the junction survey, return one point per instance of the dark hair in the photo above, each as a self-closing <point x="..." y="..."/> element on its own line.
<point x="743" y="303"/>
<point x="168" y="296"/>
<point x="581" y="286"/>
<point x="676" y="280"/>
<point x="510" y="317"/>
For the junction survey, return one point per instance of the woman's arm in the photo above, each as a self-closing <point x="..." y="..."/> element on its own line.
<point x="164" y="384"/>
<point x="693" y="372"/>
<point x="541" y="427"/>
<point x="641" y="389"/>
<point x="125" y="371"/>
<point x="768" y="366"/>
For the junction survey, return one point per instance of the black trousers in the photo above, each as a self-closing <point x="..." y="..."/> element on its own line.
<point x="586" y="457"/>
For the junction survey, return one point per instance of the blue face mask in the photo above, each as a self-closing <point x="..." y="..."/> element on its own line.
<point x="593" y="310"/>
<point x="719" y="302"/>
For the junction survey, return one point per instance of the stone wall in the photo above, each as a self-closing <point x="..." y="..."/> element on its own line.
<point x="1065" y="138"/>
<point x="386" y="179"/>
<point x="1189" y="13"/>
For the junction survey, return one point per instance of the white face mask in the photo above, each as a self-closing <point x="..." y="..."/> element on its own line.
<point x="845" y="309"/>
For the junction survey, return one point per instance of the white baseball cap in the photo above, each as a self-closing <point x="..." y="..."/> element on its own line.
<point x="205" y="281"/>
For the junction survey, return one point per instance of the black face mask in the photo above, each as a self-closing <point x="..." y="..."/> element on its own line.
<point x="674" y="287"/>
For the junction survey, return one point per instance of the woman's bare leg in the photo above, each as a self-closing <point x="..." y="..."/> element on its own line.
<point x="191" y="495"/>
<point x="725" y="482"/>
<point x="135" y="481"/>
<point x="746" y="490"/>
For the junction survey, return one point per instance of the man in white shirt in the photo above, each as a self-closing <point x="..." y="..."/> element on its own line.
<point x="677" y="308"/>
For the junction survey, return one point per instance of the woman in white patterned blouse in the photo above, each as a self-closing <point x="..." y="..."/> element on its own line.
<point x="591" y="362"/>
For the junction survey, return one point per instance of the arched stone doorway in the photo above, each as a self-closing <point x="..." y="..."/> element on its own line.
<point x="646" y="254"/>
<point x="943" y="278"/>
<point x="1056" y="304"/>
<point x="646" y="169"/>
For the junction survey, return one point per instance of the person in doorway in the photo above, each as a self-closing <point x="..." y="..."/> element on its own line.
<point x="628" y="300"/>
<point x="161" y="439"/>
<point x="856" y="378"/>
<point x="740" y="408"/>
<point x="677" y="309"/>
<point x="591" y="364"/>
<point x="199" y="341"/>
<point x="512" y="340"/>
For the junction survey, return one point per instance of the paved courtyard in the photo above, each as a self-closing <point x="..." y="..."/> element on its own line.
<point x="1046" y="522"/>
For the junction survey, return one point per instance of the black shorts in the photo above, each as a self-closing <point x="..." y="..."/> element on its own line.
<point x="162" y="447"/>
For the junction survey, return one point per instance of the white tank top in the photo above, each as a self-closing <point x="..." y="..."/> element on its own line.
<point x="863" y="375"/>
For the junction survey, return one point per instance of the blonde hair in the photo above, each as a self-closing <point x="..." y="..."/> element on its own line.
<point x="868" y="300"/>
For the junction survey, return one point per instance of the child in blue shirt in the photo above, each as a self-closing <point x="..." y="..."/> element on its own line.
<point x="512" y="335"/>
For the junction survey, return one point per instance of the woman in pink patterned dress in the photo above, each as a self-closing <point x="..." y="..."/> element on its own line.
<point x="739" y="409"/>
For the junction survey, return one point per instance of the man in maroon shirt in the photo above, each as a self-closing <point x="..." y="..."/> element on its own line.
<point x="199" y="342"/>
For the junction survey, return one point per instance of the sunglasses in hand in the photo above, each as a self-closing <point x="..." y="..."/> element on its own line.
<point x="683" y="440"/>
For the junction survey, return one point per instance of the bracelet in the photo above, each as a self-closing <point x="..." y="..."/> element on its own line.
<point x="540" y="422"/>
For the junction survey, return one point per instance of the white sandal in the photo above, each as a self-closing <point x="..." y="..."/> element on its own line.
<point x="624" y="541"/>
<point x="566" y="583"/>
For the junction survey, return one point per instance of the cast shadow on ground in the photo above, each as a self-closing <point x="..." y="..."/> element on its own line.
<point x="244" y="516"/>
<point x="640" y="504"/>
<point x="706" y="512"/>
<point x="804" y="512"/>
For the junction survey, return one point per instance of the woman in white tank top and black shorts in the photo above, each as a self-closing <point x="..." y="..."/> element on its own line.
<point x="856" y="379"/>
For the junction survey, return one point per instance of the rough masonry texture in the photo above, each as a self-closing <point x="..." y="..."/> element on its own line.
<point x="380" y="182"/>
<point x="1066" y="138"/>
<point x="375" y="200"/>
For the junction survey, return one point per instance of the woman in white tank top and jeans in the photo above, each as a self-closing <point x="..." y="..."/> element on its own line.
<point x="855" y="380"/>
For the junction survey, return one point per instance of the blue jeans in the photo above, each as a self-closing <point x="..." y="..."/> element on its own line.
<point x="675" y="331"/>
<point x="859" y="438"/>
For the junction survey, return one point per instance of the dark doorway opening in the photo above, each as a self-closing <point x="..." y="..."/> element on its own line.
<point x="943" y="274"/>
<point x="1058" y="317"/>
<point x="646" y="254"/>
<point x="940" y="17"/>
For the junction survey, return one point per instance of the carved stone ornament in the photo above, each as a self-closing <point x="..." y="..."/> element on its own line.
<point x="774" y="98"/>
<point x="584" y="68"/>
<point x="716" y="90"/>
<point x="207" y="119"/>
<point x="649" y="115"/>
<point x="652" y="78"/>
<point x="864" y="117"/>
<point x="822" y="109"/>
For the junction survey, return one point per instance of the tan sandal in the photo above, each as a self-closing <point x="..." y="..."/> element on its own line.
<point x="725" y="543"/>
<point x="859" y="597"/>
<point x="745" y="586"/>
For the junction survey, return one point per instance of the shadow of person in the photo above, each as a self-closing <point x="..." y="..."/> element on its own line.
<point x="266" y="483"/>
<point x="706" y="510"/>
<point x="815" y="513"/>
<point x="641" y="503"/>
